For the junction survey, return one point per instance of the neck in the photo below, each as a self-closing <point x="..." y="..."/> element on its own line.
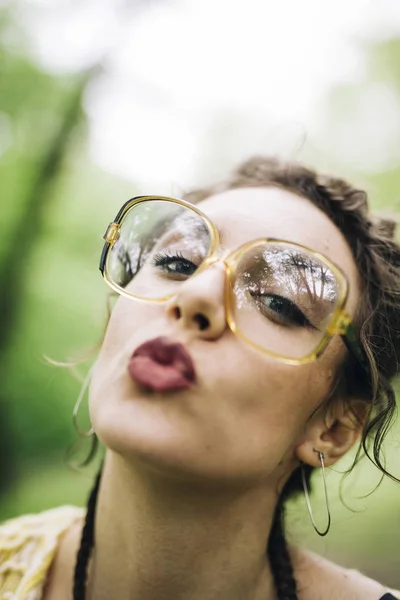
<point x="157" y="539"/>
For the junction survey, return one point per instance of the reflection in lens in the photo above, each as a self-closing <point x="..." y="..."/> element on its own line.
<point x="160" y="243"/>
<point x="285" y="297"/>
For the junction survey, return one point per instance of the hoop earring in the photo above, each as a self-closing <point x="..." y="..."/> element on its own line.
<point x="85" y="385"/>
<point x="321" y="533"/>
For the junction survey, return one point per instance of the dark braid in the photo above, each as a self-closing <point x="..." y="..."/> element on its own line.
<point x="87" y="541"/>
<point x="277" y="550"/>
<point x="279" y="558"/>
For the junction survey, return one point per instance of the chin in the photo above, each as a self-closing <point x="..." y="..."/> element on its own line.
<point x="137" y="431"/>
<point x="167" y="455"/>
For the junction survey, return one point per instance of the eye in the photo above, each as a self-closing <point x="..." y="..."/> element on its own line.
<point x="174" y="263"/>
<point x="282" y="310"/>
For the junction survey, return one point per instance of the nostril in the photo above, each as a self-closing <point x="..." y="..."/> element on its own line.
<point x="202" y="321"/>
<point x="176" y="312"/>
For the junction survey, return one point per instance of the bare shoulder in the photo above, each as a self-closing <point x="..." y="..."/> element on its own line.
<point x="320" y="579"/>
<point x="60" y="576"/>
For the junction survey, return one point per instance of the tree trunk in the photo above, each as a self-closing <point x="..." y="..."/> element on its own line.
<point x="14" y="262"/>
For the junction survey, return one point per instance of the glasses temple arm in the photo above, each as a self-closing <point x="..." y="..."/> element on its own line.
<point x="351" y="340"/>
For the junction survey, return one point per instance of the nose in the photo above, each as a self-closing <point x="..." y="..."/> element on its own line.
<point x="199" y="304"/>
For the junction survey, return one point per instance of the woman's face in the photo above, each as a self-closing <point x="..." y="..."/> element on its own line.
<point x="247" y="414"/>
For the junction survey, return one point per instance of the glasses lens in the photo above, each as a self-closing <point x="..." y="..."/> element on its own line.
<point x="160" y="244"/>
<point x="285" y="298"/>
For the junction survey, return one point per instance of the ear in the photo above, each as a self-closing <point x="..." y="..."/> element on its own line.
<point x="333" y="433"/>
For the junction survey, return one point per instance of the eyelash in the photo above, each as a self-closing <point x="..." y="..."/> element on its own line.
<point x="161" y="257"/>
<point x="165" y="258"/>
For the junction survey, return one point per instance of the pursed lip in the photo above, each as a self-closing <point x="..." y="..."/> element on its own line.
<point x="162" y="364"/>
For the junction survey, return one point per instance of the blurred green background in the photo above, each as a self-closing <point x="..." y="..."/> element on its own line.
<point x="57" y="198"/>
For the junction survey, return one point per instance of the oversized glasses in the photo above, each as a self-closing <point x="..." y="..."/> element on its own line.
<point x="282" y="298"/>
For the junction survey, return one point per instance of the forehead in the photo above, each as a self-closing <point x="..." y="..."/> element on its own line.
<point x="245" y="214"/>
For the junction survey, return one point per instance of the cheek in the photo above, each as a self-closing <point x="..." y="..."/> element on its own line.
<point x="145" y="284"/>
<point x="130" y="324"/>
<point x="295" y="394"/>
<point x="261" y="410"/>
<point x="127" y="319"/>
<point x="283" y="399"/>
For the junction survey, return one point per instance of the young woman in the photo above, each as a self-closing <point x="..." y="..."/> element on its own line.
<point x="254" y="340"/>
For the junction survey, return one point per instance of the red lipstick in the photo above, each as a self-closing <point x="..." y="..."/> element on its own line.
<point x="162" y="365"/>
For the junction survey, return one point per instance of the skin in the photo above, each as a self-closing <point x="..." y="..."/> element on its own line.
<point x="192" y="478"/>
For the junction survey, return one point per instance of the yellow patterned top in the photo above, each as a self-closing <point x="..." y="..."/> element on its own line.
<point x="28" y="545"/>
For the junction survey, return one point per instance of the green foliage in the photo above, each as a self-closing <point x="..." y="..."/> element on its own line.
<point x="44" y="486"/>
<point x="64" y="309"/>
<point x="64" y="298"/>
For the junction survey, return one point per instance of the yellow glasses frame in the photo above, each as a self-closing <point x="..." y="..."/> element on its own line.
<point x="340" y="323"/>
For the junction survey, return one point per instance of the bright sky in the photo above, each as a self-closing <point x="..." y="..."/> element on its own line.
<point x="190" y="86"/>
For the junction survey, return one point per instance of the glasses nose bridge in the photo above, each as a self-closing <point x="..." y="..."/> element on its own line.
<point x="219" y="256"/>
